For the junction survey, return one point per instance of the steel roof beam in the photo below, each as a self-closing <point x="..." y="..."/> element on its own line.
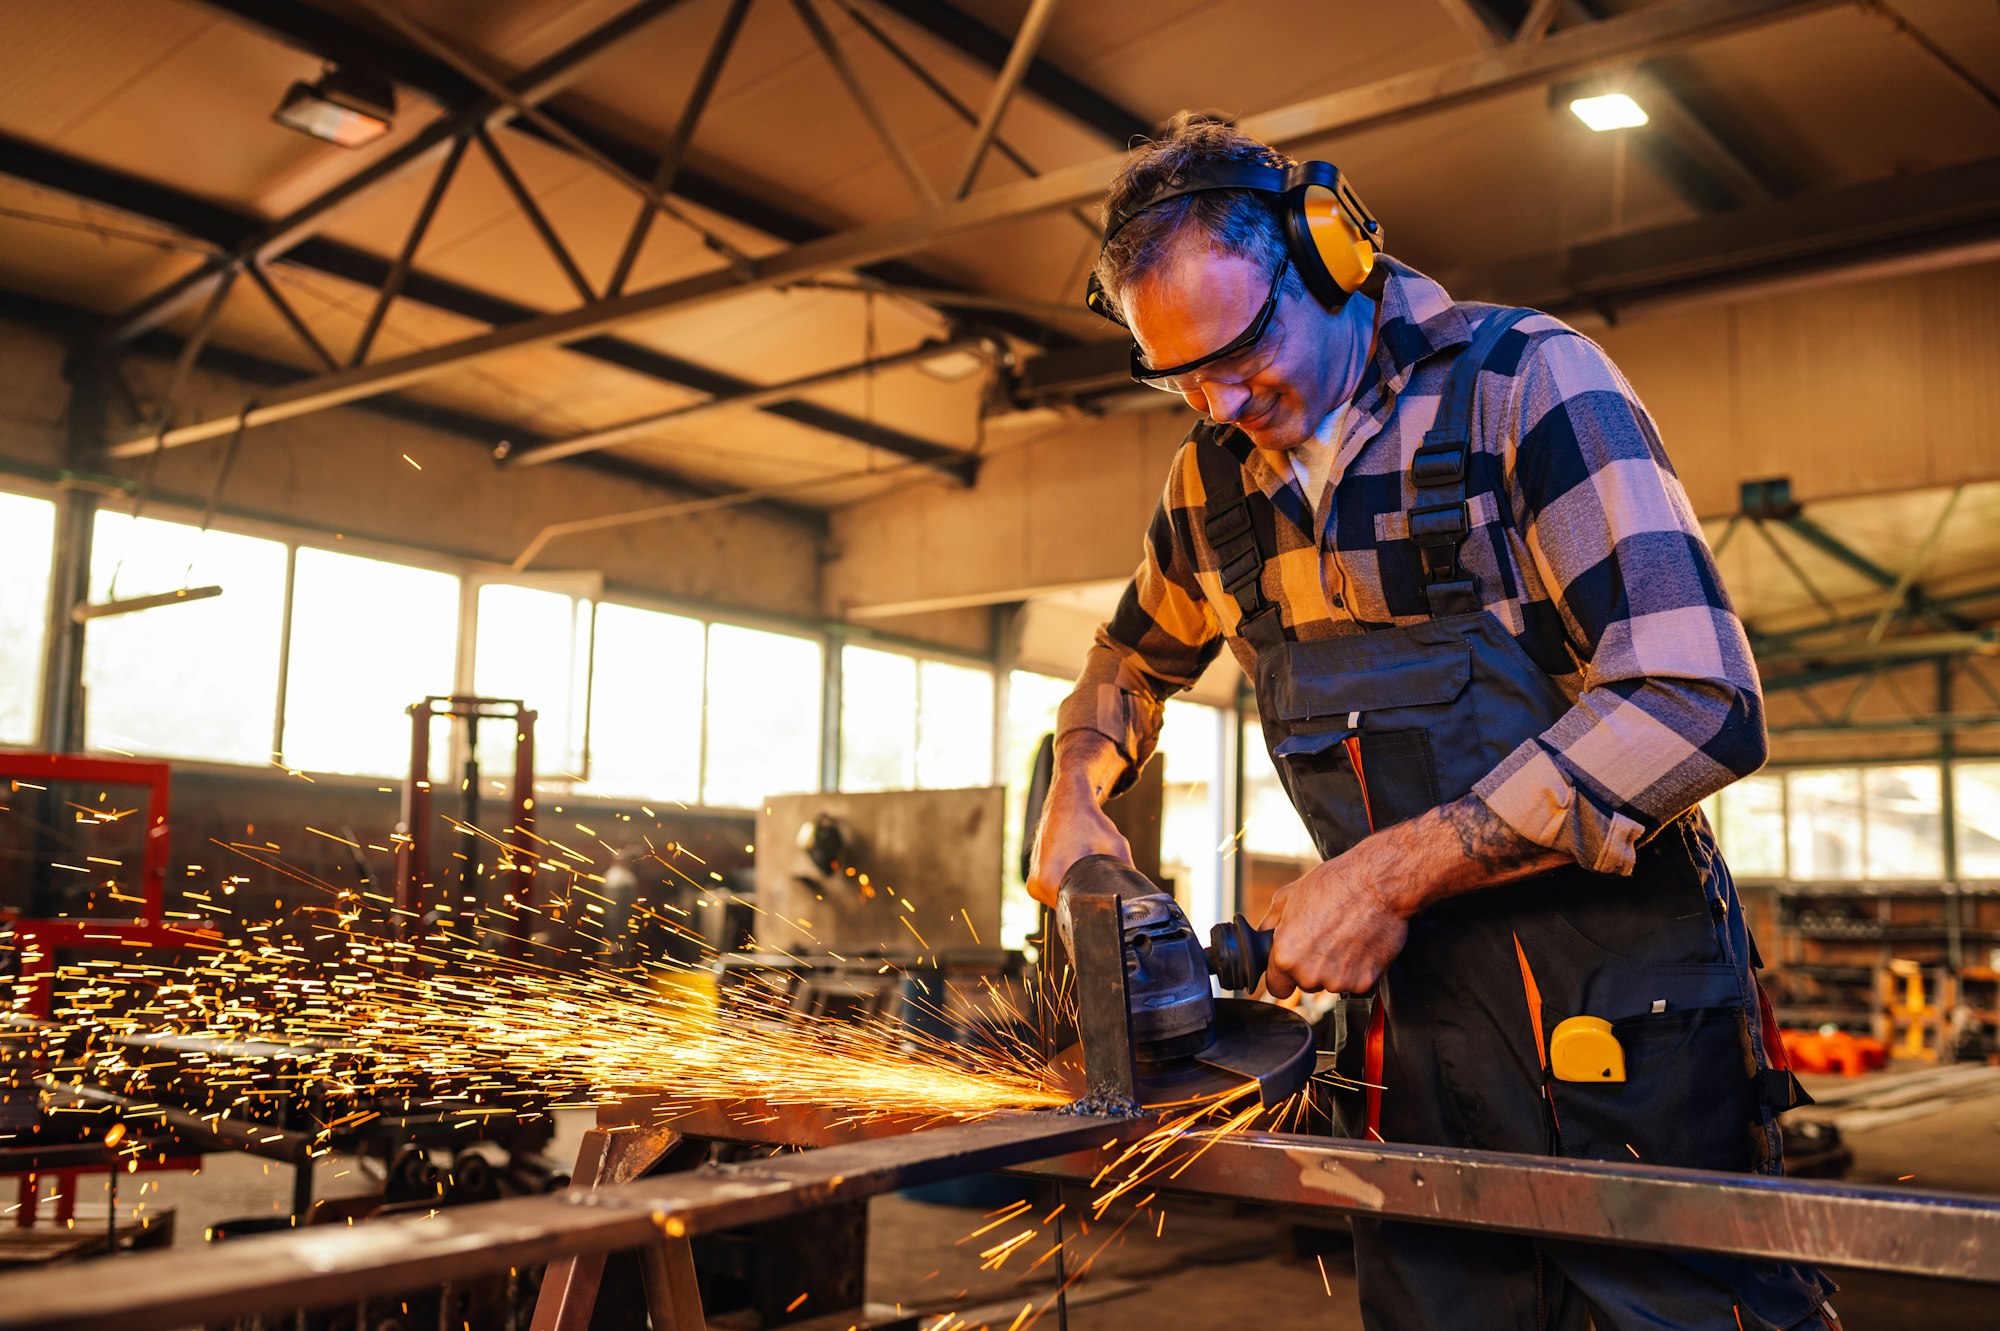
<point x="317" y="33"/>
<point x="1913" y="220"/>
<point x="541" y="80"/>
<point x="222" y="227"/>
<point x="1389" y="101"/>
<point x="1694" y="159"/>
<point x="67" y="321"/>
<point x="1067" y="94"/>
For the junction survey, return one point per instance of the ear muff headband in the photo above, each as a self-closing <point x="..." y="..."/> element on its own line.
<point x="1332" y="237"/>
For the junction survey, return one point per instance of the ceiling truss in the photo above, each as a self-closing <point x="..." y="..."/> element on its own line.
<point x="1574" y="51"/>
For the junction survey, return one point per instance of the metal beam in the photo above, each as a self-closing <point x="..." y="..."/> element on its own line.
<point x="325" y="1266"/>
<point x="1630" y="1204"/>
<point x="223" y="228"/>
<point x="1684" y="149"/>
<point x="71" y="322"/>
<point x="857" y="89"/>
<point x="1943" y="216"/>
<point x="1067" y="94"/>
<point x="542" y="80"/>
<point x="1536" y="22"/>
<point x="677" y="143"/>
<point x="1018" y="58"/>
<point x="592" y="440"/>
<point x="1830" y="544"/>
<point x="329" y="37"/>
<point x="1389" y="101"/>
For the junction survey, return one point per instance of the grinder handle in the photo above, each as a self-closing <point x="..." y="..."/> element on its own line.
<point x="1237" y="954"/>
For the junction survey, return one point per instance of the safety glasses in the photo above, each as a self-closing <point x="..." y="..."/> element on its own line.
<point x="1242" y="358"/>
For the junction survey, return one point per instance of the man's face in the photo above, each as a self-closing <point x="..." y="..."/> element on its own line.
<point x="1199" y="301"/>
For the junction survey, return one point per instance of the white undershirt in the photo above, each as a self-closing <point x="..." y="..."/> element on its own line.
<point x="1312" y="461"/>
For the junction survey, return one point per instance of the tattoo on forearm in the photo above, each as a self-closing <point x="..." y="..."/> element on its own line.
<point x="1487" y="842"/>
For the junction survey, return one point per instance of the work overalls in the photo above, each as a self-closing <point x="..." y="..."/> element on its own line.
<point x="1369" y="730"/>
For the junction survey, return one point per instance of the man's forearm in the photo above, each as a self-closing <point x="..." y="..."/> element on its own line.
<point x="1460" y="847"/>
<point x="1088" y="765"/>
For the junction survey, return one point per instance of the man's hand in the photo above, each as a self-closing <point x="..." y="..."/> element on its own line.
<point x="1073" y="823"/>
<point x="1340" y="925"/>
<point x="1335" y="931"/>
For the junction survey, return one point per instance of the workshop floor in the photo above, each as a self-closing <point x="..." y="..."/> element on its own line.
<point x="1215" y="1264"/>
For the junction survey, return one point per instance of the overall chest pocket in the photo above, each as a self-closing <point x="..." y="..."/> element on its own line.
<point x="1379" y="713"/>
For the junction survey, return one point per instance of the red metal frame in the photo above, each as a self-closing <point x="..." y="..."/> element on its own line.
<point x="414" y="879"/>
<point x="42" y="940"/>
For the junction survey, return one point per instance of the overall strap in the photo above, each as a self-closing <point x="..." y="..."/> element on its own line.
<point x="1232" y="534"/>
<point x="1440" y="520"/>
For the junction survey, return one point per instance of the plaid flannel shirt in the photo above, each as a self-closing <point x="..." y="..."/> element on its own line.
<point x="1583" y="543"/>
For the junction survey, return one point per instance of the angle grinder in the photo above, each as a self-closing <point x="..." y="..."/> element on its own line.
<point x="1150" y="1031"/>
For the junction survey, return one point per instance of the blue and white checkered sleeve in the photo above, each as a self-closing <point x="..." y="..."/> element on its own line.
<point x="1670" y="709"/>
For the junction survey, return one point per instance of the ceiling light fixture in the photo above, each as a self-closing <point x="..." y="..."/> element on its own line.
<point x="1611" y="110"/>
<point x="340" y="106"/>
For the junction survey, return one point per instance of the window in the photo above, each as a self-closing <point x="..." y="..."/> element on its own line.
<point x="645" y="705"/>
<point x="907" y="723"/>
<point x="1032" y="701"/>
<point x="195" y="680"/>
<point x="1750" y="826"/>
<point x="1271" y="826"/>
<point x="27" y="551"/>
<point x="1825" y="827"/>
<point x="368" y="639"/>
<point x="954" y="726"/>
<point x="764" y="705"/>
<point x="1867" y="823"/>
<point x="878" y="720"/>
<point x="1976" y="795"/>
<point x="1191" y="830"/>
<point x="1903" y="821"/>
<point x="534" y="645"/>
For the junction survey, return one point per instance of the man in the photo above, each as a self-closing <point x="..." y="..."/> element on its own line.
<point x="1497" y="671"/>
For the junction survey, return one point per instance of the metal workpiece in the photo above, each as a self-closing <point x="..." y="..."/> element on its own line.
<point x="324" y="1266"/>
<point x="1634" y="1205"/>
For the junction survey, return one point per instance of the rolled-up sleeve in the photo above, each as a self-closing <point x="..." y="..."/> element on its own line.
<point x="1162" y="637"/>
<point x="1670" y="709"/>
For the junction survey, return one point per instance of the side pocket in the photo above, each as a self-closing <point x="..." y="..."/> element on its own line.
<point x="1689" y="1097"/>
<point x="1402" y="774"/>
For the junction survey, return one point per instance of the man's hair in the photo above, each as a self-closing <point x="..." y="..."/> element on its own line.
<point x="1230" y="221"/>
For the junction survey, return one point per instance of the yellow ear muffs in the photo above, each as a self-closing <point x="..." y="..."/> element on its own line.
<point x="1331" y="235"/>
<point x="1348" y="254"/>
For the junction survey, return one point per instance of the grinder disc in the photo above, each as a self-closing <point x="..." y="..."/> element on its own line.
<point x="1250" y="1041"/>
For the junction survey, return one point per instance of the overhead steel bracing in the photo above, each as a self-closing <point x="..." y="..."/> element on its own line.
<point x="333" y="38"/>
<point x="247" y="244"/>
<point x="1563" y="54"/>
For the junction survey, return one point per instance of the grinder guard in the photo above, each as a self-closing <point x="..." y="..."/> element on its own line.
<point x="1150" y="1032"/>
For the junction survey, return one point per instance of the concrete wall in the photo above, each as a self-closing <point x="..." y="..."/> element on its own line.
<point x="1857" y="389"/>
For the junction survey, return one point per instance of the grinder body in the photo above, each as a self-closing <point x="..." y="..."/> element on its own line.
<point x="1149" y="1027"/>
